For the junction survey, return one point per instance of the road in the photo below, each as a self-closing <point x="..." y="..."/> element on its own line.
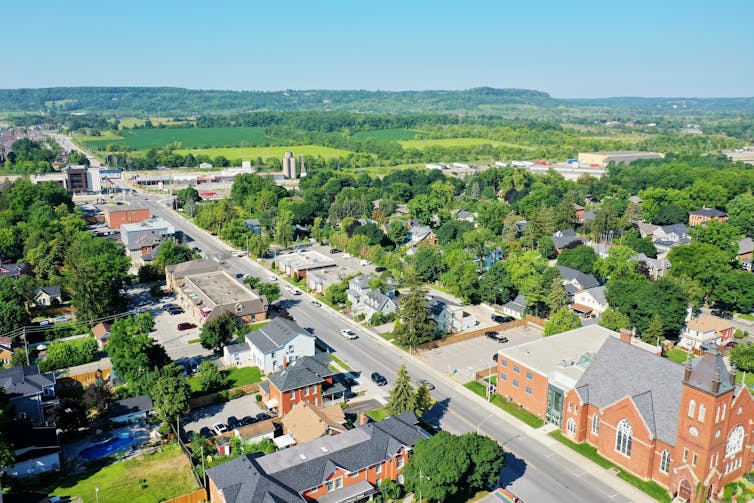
<point x="533" y="470"/>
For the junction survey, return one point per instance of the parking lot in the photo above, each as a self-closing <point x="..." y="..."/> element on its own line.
<point x="463" y="359"/>
<point x="219" y="413"/>
<point x="176" y="341"/>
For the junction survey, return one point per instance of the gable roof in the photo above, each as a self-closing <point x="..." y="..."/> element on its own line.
<point x="301" y="372"/>
<point x="517" y="305"/>
<point x="655" y="384"/>
<point x="585" y="280"/>
<point x="275" y="334"/>
<point x="679" y="229"/>
<point x="241" y="480"/>
<point x="100" y="330"/>
<point x="746" y="245"/>
<point x="708" y="212"/>
<point x="306" y="422"/>
<point x="52" y="291"/>
<point x="597" y="293"/>
<point x="25" y="380"/>
<point x="561" y="239"/>
<point x="708" y="323"/>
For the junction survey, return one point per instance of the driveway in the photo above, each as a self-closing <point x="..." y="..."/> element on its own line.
<point x="219" y="413"/>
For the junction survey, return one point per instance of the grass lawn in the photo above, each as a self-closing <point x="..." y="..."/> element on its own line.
<point x="195" y="341"/>
<point x="389" y="134"/>
<point x="378" y="414"/>
<point x="749" y="378"/>
<point x="251" y="153"/>
<point x="745" y="316"/>
<point x="187" y="137"/>
<point x="448" y="142"/>
<point x="678" y="355"/>
<point x="340" y="362"/>
<point x="651" y="488"/>
<point x="509" y="407"/>
<point x="148" y="478"/>
<point x="235" y="377"/>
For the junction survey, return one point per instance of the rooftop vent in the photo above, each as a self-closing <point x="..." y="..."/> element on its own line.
<point x="324" y="449"/>
<point x="302" y="456"/>
<point x="566" y="363"/>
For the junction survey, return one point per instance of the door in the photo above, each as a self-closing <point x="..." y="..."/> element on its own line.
<point x="554" y="412"/>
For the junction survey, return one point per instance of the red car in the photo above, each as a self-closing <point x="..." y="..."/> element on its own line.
<point x="731" y="344"/>
<point x="186" y="326"/>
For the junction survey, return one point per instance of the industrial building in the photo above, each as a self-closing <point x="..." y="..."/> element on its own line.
<point x="602" y="159"/>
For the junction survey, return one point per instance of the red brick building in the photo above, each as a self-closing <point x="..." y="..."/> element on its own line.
<point x="115" y="216"/>
<point x="700" y="217"/>
<point x="345" y="467"/>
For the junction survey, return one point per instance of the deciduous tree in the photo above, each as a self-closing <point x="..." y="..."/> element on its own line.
<point x="218" y="332"/>
<point x="562" y="321"/>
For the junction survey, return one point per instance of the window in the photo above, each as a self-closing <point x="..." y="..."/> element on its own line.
<point x="515" y="383"/>
<point x="399" y="462"/>
<point x="529" y="376"/>
<point x="624" y="438"/>
<point x="290" y="348"/>
<point x="293" y="394"/>
<point x="504" y="363"/>
<point x="528" y="390"/>
<point x="503" y="377"/>
<point x="516" y="369"/>
<point x="571" y="426"/>
<point x="335" y="484"/>
<point x="692" y="408"/>
<point x="378" y="468"/>
<point x="316" y="401"/>
<point x="693" y="459"/>
<point x="685" y="455"/>
<point x="735" y="441"/>
<point x="306" y="391"/>
<point x="702" y="410"/>
<point x="596" y="424"/>
<point x="665" y="461"/>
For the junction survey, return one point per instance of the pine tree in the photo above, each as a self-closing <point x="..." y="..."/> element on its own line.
<point x="413" y="326"/>
<point x="654" y="332"/>
<point x="402" y="395"/>
<point x="422" y="400"/>
<point x="510" y="230"/>
<point x="558" y="297"/>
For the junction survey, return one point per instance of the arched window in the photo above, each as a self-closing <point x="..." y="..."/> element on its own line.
<point x="735" y="441"/>
<point x="692" y="408"/>
<point x="665" y="461"/>
<point x="595" y="424"/>
<point x="702" y="410"/>
<point x="571" y="426"/>
<point x="624" y="438"/>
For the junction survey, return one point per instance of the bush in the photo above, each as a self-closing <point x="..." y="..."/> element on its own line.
<point x="739" y="334"/>
<point x="236" y="393"/>
<point x="749" y="476"/>
<point x="164" y="430"/>
<point x="389" y="489"/>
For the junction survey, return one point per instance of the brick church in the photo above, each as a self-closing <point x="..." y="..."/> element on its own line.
<point x="686" y="426"/>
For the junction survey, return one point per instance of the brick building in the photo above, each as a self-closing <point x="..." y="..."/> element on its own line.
<point x="345" y="467"/>
<point x="700" y="217"/>
<point x="115" y="216"/>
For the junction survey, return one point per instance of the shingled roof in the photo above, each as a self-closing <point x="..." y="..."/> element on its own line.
<point x="275" y="334"/>
<point x="301" y="372"/>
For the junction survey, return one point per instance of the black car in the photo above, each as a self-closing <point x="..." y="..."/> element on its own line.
<point x="495" y="336"/>
<point x="378" y="379"/>
<point x="248" y="420"/>
<point x="175" y="310"/>
<point x="333" y="251"/>
<point x="233" y="422"/>
<point x="501" y="319"/>
<point x="380" y="269"/>
<point x="263" y="416"/>
<point x="206" y="432"/>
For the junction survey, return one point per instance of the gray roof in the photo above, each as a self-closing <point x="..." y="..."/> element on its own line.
<point x="52" y="291"/>
<point x="597" y="293"/>
<point x="585" y="280"/>
<point x="131" y="405"/>
<point x="746" y="245"/>
<point x="679" y="229"/>
<point x="518" y="304"/>
<point x="361" y="281"/>
<point x="281" y="477"/>
<point x="301" y="372"/>
<point x="655" y="384"/>
<point x="561" y="239"/>
<point x="275" y="334"/>
<point x="198" y="266"/>
<point x="589" y="215"/>
<point x="707" y="368"/>
<point x="25" y="380"/>
<point x="237" y="348"/>
<point x="709" y="212"/>
<point x="377" y="300"/>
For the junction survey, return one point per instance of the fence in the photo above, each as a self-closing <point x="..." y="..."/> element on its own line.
<point x="84" y="379"/>
<point x="465" y="336"/>
<point x="484" y="374"/>
<point x="197" y="496"/>
<point x="205" y="400"/>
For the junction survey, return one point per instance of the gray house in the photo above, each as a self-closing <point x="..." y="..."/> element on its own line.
<point x="515" y="307"/>
<point x="575" y="281"/>
<point x="30" y="392"/>
<point x="270" y="348"/>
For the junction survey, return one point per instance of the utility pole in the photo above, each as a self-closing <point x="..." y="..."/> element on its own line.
<point x="26" y="346"/>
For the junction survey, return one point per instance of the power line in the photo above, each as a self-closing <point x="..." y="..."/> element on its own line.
<point x="35" y="329"/>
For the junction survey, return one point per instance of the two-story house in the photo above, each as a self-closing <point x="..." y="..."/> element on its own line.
<point x="668" y="236"/>
<point x="448" y="317"/>
<point x="30" y="392"/>
<point x="700" y="217"/>
<point x="48" y="296"/>
<point x="705" y="330"/>
<point x="575" y="281"/>
<point x="590" y="302"/>
<point x="307" y="379"/>
<point x="271" y="347"/>
<point x="368" y="302"/>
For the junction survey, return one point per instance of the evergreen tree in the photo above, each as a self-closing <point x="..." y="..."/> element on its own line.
<point x="654" y="331"/>
<point x="558" y="297"/>
<point x="402" y="395"/>
<point x="413" y="326"/>
<point x="422" y="400"/>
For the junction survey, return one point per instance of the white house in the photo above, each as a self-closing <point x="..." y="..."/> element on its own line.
<point x="449" y="317"/>
<point x="272" y="347"/>
<point x="705" y="330"/>
<point x="590" y="302"/>
<point x="516" y="307"/>
<point x="130" y="410"/>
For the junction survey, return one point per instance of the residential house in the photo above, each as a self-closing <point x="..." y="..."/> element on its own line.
<point x="646" y="229"/>
<point x="101" y="332"/>
<point x="578" y="211"/>
<point x="700" y="217"/>
<point x="29" y="391"/>
<point x="6" y="351"/>
<point x="345" y="467"/>
<point x="37" y="449"/>
<point x="575" y="281"/>
<point x="601" y="249"/>
<point x="144" y="247"/>
<point x="465" y="215"/>
<point x="376" y="302"/>
<point x="705" y="330"/>
<point x="495" y="255"/>
<point x="565" y="239"/>
<point x="306" y="379"/>
<point x="250" y="434"/>
<point x="667" y="236"/>
<point x="14" y="270"/>
<point x="587" y="217"/>
<point x="299" y="263"/>
<point x="448" y="317"/>
<point x="306" y="422"/>
<point x="516" y="307"/>
<point x="419" y="234"/>
<point x="272" y="346"/>
<point x="130" y="410"/>
<point x="48" y="296"/>
<point x="253" y="225"/>
<point x="590" y="302"/>
<point x="656" y="267"/>
<point x="358" y="287"/>
<point x="745" y="248"/>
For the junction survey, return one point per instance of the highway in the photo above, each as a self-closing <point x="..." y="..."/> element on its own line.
<point x="535" y="471"/>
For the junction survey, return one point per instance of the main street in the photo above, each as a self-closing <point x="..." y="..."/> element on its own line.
<point x="535" y="470"/>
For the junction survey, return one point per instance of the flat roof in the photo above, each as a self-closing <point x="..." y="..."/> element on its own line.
<point x="303" y="260"/>
<point x="114" y="208"/>
<point x="336" y="274"/>
<point x="558" y="356"/>
<point x="216" y="288"/>
<point x="152" y="223"/>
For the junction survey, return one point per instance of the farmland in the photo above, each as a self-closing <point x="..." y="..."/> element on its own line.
<point x="448" y="142"/>
<point x="389" y="134"/>
<point x="144" y="139"/>
<point x="251" y="153"/>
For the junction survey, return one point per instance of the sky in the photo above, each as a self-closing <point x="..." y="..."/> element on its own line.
<point x="569" y="48"/>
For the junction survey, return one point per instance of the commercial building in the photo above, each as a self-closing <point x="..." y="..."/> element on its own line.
<point x="298" y="264"/>
<point x="340" y="468"/>
<point x="321" y="279"/>
<point x="700" y="217"/>
<point x="132" y="233"/>
<point x="602" y="159"/>
<point x="115" y="216"/>
<point x="76" y="178"/>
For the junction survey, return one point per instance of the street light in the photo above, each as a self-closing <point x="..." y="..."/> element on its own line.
<point x="482" y="422"/>
<point x="421" y="477"/>
<point x="96" y="492"/>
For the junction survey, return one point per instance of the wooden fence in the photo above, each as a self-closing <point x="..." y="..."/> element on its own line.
<point x="484" y="374"/>
<point x="197" y="496"/>
<point x="205" y="400"/>
<point x="85" y="378"/>
<point x="465" y="336"/>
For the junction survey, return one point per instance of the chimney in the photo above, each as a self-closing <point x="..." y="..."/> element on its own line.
<point x="285" y="362"/>
<point x="716" y="383"/>
<point x="363" y="419"/>
<point x="687" y="371"/>
<point x="625" y="335"/>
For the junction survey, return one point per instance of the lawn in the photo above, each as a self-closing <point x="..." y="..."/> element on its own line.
<point x="389" y="134"/>
<point x="129" y="122"/>
<point x="678" y="355"/>
<point x="191" y="137"/>
<point x="148" y="478"/>
<point x="378" y="414"/>
<point x="511" y="408"/>
<point x="749" y="378"/>
<point x="653" y="489"/>
<point x="448" y="142"/>
<point x="251" y="153"/>
<point x="745" y="316"/>
<point x="235" y="377"/>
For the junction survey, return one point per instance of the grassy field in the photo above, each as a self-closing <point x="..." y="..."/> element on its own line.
<point x="678" y="355"/>
<point x="509" y="407"/>
<point x="143" y="139"/>
<point x="148" y="478"/>
<point x="251" y="153"/>
<point x="389" y="134"/>
<point x="235" y="377"/>
<point x="129" y="122"/>
<point x="448" y="142"/>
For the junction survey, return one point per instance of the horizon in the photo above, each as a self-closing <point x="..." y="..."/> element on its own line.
<point x="580" y="50"/>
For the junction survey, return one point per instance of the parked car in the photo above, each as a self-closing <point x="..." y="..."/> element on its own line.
<point x="186" y="326"/>
<point x="239" y="275"/>
<point x="206" y="432"/>
<point x="427" y="384"/>
<point x="248" y="420"/>
<point x="347" y="255"/>
<point x="316" y="303"/>
<point x="501" y="319"/>
<point x="272" y="277"/>
<point x="365" y="262"/>
<point x="378" y="379"/>
<point x="219" y="428"/>
<point x="731" y="344"/>
<point x="380" y="269"/>
<point x="194" y="365"/>
<point x="233" y="422"/>
<point x="333" y="251"/>
<point x="495" y="336"/>
<point x="296" y="291"/>
<point x="263" y="416"/>
<point x="175" y="310"/>
<point x="61" y="319"/>
<point x="348" y="334"/>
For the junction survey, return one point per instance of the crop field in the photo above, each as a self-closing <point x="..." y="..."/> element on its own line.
<point x="251" y="153"/>
<point x="129" y="122"/>
<point x="448" y="142"/>
<point x="144" y="139"/>
<point x="389" y="134"/>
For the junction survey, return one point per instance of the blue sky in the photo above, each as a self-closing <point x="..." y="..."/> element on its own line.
<point x="568" y="48"/>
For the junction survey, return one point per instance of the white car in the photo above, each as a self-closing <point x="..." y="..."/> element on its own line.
<point x="348" y="334"/>
<point x="288" y="288"/>
<point x="347" y="255"/>
<point x="295" y="291"/>
<point x="365" y="262"/>
<point x="272" y="277"/>
<point x="219" y="428"/>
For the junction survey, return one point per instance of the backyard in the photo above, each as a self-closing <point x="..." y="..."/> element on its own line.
<point x="234" y="377"/>
<point x="151" y="477"/>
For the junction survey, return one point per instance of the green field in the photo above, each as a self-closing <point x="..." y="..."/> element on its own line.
<point x="448" y="142"/>
<point x="235" y="377"/>
<point x="251" y="153"/>
<point x="129" y="122"/>
<point x="143" y="139"/>
<point x="389" y="134"/>
<point x="148" y="478"/>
